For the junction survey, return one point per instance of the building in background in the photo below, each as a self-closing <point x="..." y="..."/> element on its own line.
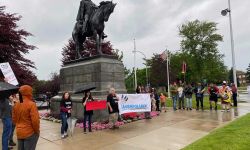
<point x="241" y="76"/>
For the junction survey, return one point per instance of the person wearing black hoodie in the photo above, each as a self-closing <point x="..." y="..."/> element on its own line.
<point x="87" y="113"/>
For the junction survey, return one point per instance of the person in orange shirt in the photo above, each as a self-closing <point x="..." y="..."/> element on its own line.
<point x="163" y="102"/>
<point x="26" y="118"/>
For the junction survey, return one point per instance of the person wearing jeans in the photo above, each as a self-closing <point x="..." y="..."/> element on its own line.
<point x="7" y="123"/>
<point x="65" y="111"/>
<point x="87" y="113"/>
<point x="64" y="127"/>
<point x="181" y="97"/>
<point x="199" y="91"/>
<point x="174" y="102"/>
<point x="13" y="99"/>
<point x="173" y="89"/>
<point x="188" y="95"/>
<point x="5" y="114"/>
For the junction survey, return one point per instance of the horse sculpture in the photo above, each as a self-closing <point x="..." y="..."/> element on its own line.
<point x="94" y="28"/>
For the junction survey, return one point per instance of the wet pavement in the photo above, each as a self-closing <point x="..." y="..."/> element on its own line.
<point x="171" y="130"/>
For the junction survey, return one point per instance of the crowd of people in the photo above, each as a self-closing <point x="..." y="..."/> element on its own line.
<point x="225" y="93"/>
<point x="19" y="111"/>
<point x="182" y="96"/>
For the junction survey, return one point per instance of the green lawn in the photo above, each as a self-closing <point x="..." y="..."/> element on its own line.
<point x="234" y="136"/>
<point x="205" y="103"/>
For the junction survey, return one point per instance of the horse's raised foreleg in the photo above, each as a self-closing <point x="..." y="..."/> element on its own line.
<point x="78" y="48"/>
<point x="100" y="44"/>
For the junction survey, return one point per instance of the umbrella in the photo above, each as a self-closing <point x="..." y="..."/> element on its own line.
<point x="7" y="89"/>
<point x="71" y="124"/>
<point x="85" y="88"/>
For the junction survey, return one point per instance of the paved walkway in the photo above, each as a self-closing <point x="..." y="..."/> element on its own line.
<point x="171" y="130"/>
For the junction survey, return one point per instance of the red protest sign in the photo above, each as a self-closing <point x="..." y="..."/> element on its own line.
<point x="96" y="105"/>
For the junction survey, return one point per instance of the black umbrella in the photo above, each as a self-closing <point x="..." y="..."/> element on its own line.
<point x="7" y="89"/>
<point x="84" y="89"/>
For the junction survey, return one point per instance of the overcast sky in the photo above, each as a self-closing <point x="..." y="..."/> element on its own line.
<point x="153" y="23"/>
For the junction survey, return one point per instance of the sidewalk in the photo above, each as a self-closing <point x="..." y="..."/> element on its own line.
<point x="171" y="130"/>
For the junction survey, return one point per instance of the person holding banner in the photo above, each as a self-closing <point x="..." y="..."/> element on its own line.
<point x="87" y="113"/>
<point x="65" y="112"/>
<point x="112" y="102"/>
<point x="157" y="99"/>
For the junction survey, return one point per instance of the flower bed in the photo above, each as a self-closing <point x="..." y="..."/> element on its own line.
<point x="127" y="118"/>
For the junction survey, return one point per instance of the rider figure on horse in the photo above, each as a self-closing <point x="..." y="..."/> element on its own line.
<point x="86" y="9"/>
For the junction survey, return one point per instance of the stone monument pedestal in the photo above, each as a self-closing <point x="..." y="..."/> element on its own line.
<point x="103" y="72"/>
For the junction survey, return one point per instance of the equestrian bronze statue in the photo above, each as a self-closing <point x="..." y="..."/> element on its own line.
<point x="90" y="23"/>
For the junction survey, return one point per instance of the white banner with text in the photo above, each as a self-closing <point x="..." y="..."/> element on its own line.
<point x="134" y="103"/>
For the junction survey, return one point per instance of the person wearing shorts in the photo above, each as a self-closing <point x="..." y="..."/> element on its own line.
<point x="112" y="102"/>
<point x="163" y="102"/>
<point x="213" y="92"/>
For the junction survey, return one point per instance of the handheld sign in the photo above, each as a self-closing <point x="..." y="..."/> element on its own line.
<point x="8" y="73"/>
<point x="96" y="105"/>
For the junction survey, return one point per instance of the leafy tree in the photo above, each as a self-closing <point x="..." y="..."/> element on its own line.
<point x="129" y="78"/>
<point x="199" y="43"/>
<point x="52" y="85"/>
<point x="89" y="49"/>
<point x="13" y="47"/>
<point x="158" y="69"/>
<point x="158" y="73"/>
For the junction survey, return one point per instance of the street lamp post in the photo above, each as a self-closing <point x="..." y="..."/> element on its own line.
<point x="168" y="60"/>
<point x="134" y="51"/>
<point x="224" y="13"/>
<point x="135" y="66"/>
<point x="145" y="64"/>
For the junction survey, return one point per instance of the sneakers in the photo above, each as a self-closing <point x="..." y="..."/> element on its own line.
<point x="65" y="134"/>
<point x="223" y="110"/>
<point x="62" y="136"/>
<point x="228" y="110"/>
